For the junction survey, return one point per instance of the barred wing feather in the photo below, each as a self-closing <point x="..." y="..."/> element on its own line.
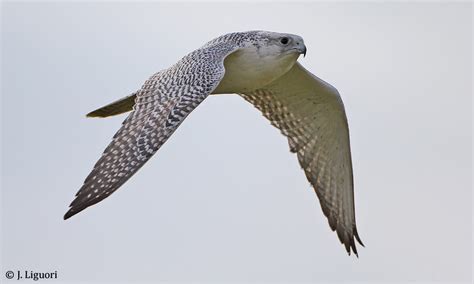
<point x="310" y="113"/>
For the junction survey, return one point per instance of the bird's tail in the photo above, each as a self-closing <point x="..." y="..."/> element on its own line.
<point x="120" y="106"/>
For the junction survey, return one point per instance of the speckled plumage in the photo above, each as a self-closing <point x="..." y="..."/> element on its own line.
<point x="316" y="127"/>
<point x="163" y="102"/>
<point x="308" y="111"/>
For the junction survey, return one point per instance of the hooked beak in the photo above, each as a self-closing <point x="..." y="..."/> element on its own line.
<point x="298" y="45"/>
<point x="301" y="48"/>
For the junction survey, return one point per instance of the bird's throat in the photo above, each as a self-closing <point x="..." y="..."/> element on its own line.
<point x="247" y="70"/>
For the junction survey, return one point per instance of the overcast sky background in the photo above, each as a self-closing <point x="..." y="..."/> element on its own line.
<point x="224" y="200"/>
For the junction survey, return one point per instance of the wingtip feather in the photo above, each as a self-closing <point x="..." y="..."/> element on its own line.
<point x="356" y="235"/>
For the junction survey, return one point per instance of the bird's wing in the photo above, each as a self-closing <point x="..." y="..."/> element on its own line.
<point x="310" y="113"/>
<point x="160" y="107"/>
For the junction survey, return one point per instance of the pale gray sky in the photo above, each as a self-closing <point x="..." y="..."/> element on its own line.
<point x="224" y="200"/>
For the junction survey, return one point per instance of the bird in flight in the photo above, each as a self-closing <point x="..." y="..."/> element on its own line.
<point x="262" y="68"/>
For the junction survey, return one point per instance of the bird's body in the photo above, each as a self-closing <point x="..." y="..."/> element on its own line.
<point x="261" y="67"/>
<point x="246" y="70"/>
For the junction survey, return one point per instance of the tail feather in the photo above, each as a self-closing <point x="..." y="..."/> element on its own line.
<point x="120" y="106"/>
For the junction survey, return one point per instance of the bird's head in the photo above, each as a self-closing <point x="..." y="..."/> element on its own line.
<point x="262" y="57"/>
<point x="277" y="44"/>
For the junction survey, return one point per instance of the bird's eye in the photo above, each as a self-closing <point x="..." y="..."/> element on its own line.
<point x="284" y="40"/>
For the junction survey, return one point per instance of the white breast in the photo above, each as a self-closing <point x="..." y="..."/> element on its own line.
<point x="247" y="70"/>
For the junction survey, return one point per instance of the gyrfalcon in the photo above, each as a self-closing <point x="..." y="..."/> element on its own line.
<point x="262" y="68"/>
